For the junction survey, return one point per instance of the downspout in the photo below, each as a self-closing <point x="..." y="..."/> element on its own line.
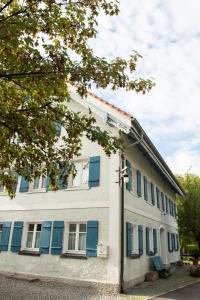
<point x="121" y="182"/>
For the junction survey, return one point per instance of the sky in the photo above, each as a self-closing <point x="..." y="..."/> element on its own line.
<point x="167" y="34"/>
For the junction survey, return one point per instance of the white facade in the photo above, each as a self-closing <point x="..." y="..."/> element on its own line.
<point x="80" y="204"/>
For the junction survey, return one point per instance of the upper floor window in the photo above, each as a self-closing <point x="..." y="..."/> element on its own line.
<point x="38" y="183"/>
<point x="82" y="174"/>
<point x="76" y="238"/>
<point x="33" y="236"/>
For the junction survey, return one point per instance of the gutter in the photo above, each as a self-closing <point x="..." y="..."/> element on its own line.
<point x="152" y="152"/>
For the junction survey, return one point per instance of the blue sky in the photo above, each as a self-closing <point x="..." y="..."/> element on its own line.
<point x="167" y="34"/>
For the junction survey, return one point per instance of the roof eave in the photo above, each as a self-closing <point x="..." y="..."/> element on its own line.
<point x="152" y="153"/>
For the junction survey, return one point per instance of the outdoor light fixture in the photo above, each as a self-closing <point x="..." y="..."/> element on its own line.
<point x="126" y="179"/>
<point x="124" y="175"/>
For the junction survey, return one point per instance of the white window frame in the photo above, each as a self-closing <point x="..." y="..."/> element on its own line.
<point x="34" y="235"/>
<point x="135" y="244"/>
<point x="66" y="238"/>
<point x="70" y="185"/>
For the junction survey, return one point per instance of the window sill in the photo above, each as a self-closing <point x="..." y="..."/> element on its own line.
<point x="36" y="191"/>
<point x="77" y="188"/>
<point x="134" y="256"/>
<point x="29" y="253"/>
<point x="149" y="203"/>
<point x="73" y="255"/>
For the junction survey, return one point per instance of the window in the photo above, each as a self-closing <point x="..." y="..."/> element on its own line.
<point x="152" y="194"/>
<point x="33" y="236"/>
<point x="146" y="184"/>
<point x="37" y="184"/>
<point x="158" y="197"/>
<point x="151" y="240"/>
<point x="135" y="245"/>
<point x="77" y="238"/>
<point x="163" y="201"/>
<point x="1" y="230"/>
<point x="166" y="204"/>
<point x="82" y="174"/>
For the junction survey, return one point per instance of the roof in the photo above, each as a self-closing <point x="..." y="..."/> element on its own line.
<point x="111" y="105"/>
<point x="146" y="146"/>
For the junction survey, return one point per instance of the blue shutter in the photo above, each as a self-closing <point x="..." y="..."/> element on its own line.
<point x="62" y="182"/>
<point x="170" y="207"/>
<point x="45" y="237"/>
<point x="94" y="171"/>
<point x="140" y="239"/>
<point x="166" y="204"/>
<point x="24" y="185"/>
<point x="5" y="236"/>
<point x="47" y="183"/>
<point x="139" y="184"/>
<point x="163" y="201"/>
<point x="145" y="189"/>
<point x="177" y="242"/>
<point x="57" y="237"/>
<point x="158" y="197"/>
<point x="173" y="241"/>
<point x="17" y="236"/>
<point x="129" y="239"/>
<point x="175" y="211"/>
<point x="58" y="128"/>
<point x="155" y="243"/>
<point x="147" y="241"/>
<point x="152" y="194"/>
<point x="92" y="238"/>
<point x="129" y="171"/>
<point x="168" y="239"/>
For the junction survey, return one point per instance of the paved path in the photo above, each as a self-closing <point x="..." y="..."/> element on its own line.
<point x="191" y="292"/>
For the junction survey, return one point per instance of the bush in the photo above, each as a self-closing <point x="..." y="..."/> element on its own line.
<point x="195" y="270"/>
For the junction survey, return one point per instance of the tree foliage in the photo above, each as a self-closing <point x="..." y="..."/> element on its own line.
<point x="189" y="209"/>
<point x="44" y="49"/>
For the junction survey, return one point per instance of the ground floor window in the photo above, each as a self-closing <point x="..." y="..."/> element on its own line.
<point x="151" y="240"/>
<point x="135" y="247"/>
<point x="33" y="236"/>
<point x="77" y="238"/>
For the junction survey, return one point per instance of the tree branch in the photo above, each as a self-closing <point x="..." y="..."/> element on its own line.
<point x="14" y="14"/>
<point x="6" y="5"/>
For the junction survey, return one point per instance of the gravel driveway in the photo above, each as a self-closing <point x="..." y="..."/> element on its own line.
<point x="13" y="289"/>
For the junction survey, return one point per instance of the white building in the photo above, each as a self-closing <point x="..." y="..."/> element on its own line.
<point x="74" y="233"/>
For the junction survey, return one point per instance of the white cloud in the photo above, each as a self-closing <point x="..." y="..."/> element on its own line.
<point x="167" y="33"/>
<point x="184" y="161"/>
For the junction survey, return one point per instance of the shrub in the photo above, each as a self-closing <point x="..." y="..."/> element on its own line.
<point x="195" y="270"/>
